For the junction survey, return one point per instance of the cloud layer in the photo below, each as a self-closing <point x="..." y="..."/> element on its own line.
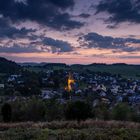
<point x="70" y="28"/>
<point x="8" y="31"/>
<point x="51" y="13"/>
<point x="43" y="44"/>
<point x="120" y="11"/>
<point x="94" y="40"/>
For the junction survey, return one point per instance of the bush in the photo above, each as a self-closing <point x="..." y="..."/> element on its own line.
<point x="78" y="110"/>
<point x="6" y="112"/>
<point x="54" y="110"/>
<point x="101" y="112"/>
<point x="122" y="112"/>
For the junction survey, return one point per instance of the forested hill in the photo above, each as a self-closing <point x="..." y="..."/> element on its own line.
<point x="7" y="66"/>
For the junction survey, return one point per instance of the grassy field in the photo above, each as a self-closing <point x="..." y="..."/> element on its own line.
<point x="128" y="71"/>
<point x="88" y="130"/>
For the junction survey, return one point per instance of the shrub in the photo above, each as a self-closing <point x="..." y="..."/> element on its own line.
<point x="6" y="112"/>
<point x="121" y="112"/>
<point x="78" y="110"/>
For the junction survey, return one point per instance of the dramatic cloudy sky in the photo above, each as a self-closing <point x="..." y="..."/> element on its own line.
<point x="70" y="31"/>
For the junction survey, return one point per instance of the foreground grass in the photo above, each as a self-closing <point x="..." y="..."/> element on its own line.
<point x="88" y="130"/>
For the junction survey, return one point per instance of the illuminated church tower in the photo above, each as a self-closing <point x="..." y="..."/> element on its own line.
<point x="70" y="82"/>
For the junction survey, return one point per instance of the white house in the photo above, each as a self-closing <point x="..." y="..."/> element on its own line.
<point x="1" y="85"/>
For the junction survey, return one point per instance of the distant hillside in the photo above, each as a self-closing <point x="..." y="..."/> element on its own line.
<point x="126" y="70"/>
<point x="7" y="66"/>
<point x="55" y="65"/>
<point x="43" y="64"/>
<point x="30" y="64"/>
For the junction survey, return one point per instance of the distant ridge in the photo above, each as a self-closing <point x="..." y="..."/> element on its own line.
<point x="45" y="64"/>
<point x="29" y="64"/>
<point x="99" y="64"/>
<point x="55" y="65"/>
<point x="120" y="64"/>
<point x="129" y="70"/>
<point x="42" y="64"/>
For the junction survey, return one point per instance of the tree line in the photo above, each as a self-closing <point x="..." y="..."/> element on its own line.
<point x="35" y="109"/>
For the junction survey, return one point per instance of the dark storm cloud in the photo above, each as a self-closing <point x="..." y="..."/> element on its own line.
<point x="94" y="40"/>
<point x="120" y="10"/>
<point x="84" y="15"/>
<point x="62" y="3"/>
<point x="44" y="45"/>
<point x="63" y="22"/>
<point x="46" y="12"/>
<point x="7" y="31"/>
<point x="57" y="45"/>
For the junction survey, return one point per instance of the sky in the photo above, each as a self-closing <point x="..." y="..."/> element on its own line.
<point x="70" y="31"/>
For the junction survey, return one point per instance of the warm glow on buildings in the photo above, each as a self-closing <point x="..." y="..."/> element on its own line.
<point x="70" y="82"/>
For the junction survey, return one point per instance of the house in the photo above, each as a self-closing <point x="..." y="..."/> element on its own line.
<point x="95" y="102"/>
<point x="119" y="98"/>
<point x="105" y="100"/>
<point x="2" y="86"/>
<point x="102" y="94"/>
<point x="47" y="94"/>
<point x="13" y="77"/>
<point x="78" y="91"/>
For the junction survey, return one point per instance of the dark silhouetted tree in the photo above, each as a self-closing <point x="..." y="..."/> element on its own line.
<point x="6" y="112"/>
<point x="78" y="110"/>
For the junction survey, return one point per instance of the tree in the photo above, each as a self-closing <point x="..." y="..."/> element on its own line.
<point x="32" y="109"/>
<point x="6" y="112"/>
<point x="54" y="110"/>
<point x="101" y="111"/>
<point x="78" y="110"/>
<point x="121" y="112"/>
<point x="35" y="110"/>
<point x="31" y="84"/>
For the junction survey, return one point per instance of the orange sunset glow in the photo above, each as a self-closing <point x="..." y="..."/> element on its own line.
<point x="77" y="32"/>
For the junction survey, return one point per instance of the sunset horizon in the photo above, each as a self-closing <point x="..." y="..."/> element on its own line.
<point x="73" y="32"/>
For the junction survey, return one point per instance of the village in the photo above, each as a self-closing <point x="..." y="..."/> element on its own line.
<point x="70" y="85"/>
